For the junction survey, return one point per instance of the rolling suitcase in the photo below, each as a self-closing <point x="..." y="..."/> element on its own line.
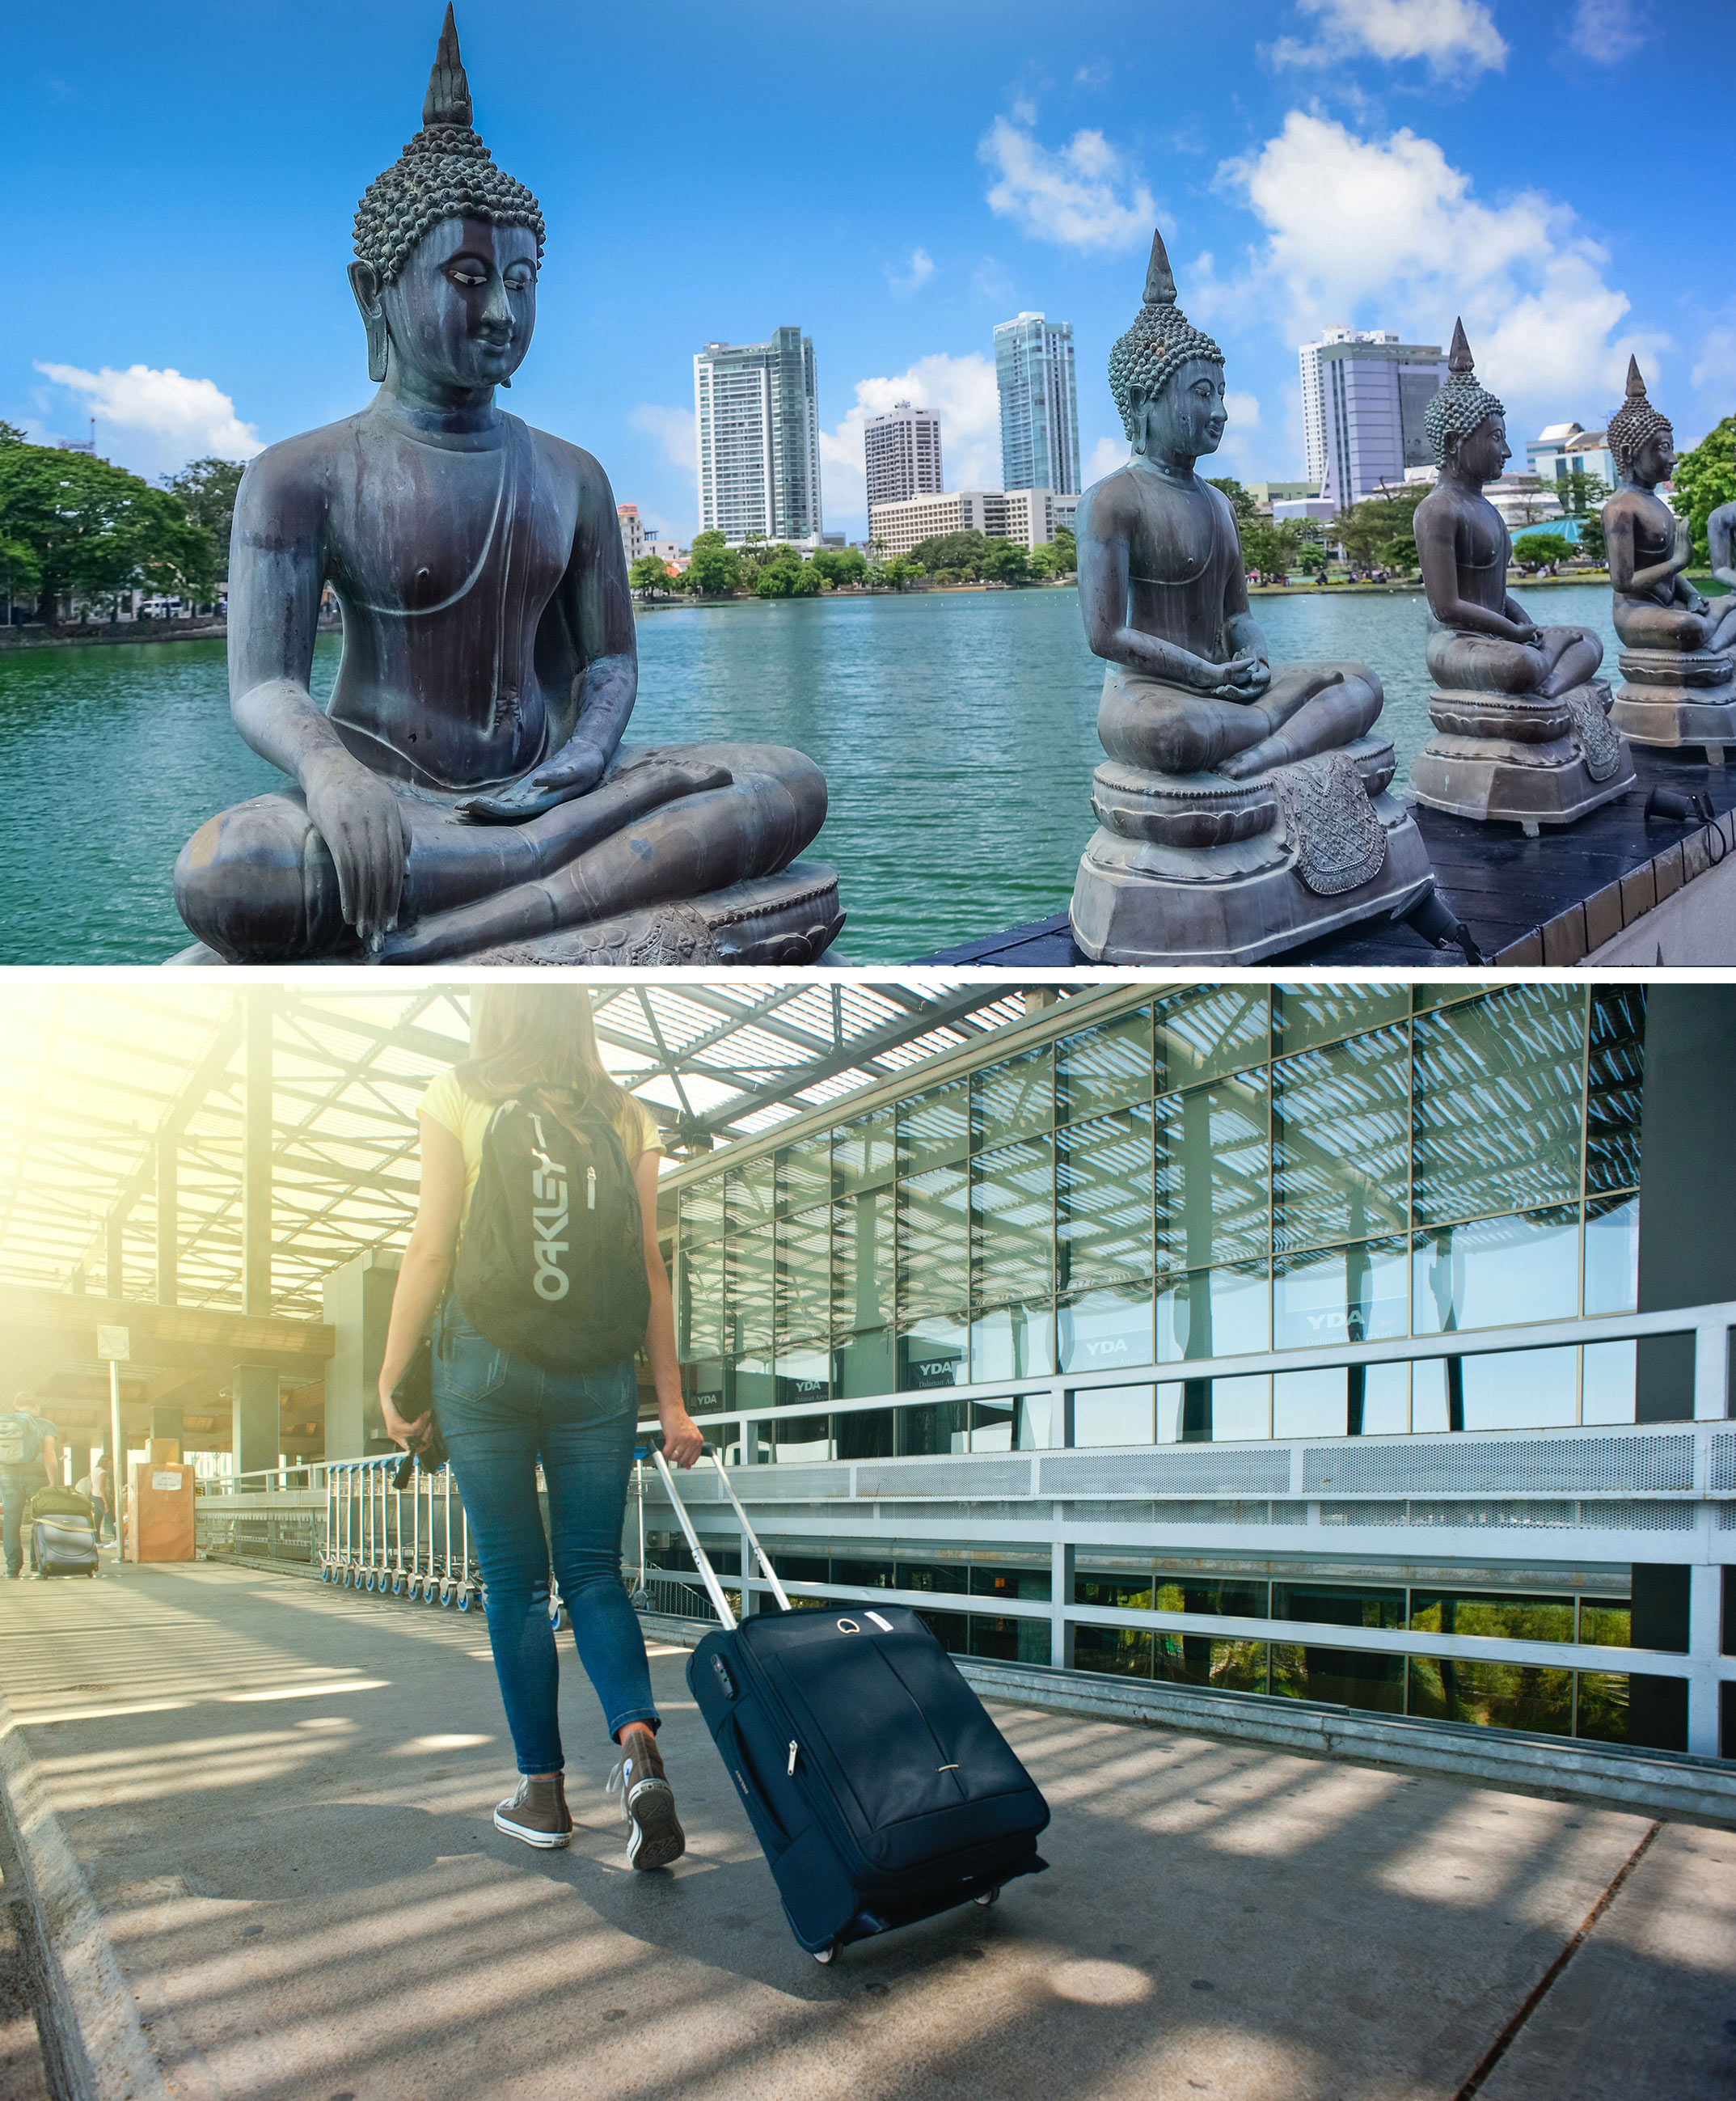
<point x="879" y="1789"/>
<point x="63" y="1546"/>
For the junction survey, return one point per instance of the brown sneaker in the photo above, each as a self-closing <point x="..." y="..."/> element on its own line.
<point x="647" y="1802"/>
<point x="538" y="1813"/>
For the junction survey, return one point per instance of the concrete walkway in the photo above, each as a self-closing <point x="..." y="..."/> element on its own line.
<point x="280" y="1796"/>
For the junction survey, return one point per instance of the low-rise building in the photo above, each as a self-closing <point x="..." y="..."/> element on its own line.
<point x="632" y="532"/>
<point x="1030" y="516"/>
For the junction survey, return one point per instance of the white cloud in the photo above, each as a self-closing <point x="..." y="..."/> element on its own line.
<point x="673" y="428"/>
<point x="1715" y="369"/>
<point x="164" y="418"/>
<point x="990" y="281"/>
<point x="921" y="268"/>
<point x="1085" y="196"/>
<point x="1388" y="233"/>
<point x="961" y="390"/>
<point x="1106" y="455"/>
<point x="1605" y="31"/>
<point x="1452" y="37"/>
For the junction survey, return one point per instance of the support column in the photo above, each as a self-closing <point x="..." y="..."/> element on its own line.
<point x="80" y="1456"/>
<point x="253" y="1418"/>
<point x="1705" y="1630"/>
<point x="358" y="1301"/>
<point x="168" y="1219"/>
<point x="170" y="1423"/>
<point x="1061" y="1562"/>
<point x="256" y="1159"/>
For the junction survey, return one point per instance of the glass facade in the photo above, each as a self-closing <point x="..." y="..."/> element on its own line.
<point x="1223" y="1171"/>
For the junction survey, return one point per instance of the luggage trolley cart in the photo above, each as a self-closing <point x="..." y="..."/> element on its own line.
<point x="879" y="1787"/>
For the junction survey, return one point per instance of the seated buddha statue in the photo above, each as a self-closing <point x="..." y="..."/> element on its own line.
<point x="1242" y="809"/>
<point x="465" y="790"/>
<point x="1521" y="730"/>
<point x="1676" y="645"/>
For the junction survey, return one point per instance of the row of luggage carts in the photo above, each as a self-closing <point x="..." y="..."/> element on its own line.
<point x="409" y="1542"/>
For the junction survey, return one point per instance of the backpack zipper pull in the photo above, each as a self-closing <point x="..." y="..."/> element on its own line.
<point x="793" y="1748"/>
<point x="590" y="1188"/>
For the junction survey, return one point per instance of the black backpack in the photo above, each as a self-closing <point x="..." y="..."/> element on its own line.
<point x="552" y="1264"/>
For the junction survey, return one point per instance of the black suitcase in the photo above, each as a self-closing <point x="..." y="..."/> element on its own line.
<point x="62" y="1546"/>
<point x="878" y="1787"/>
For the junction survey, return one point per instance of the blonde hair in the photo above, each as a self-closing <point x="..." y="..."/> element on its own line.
<point x="542" y="1039"/>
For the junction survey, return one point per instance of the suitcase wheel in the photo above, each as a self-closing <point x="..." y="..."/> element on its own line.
<point x="988" y="1896"/>
<point x="826" y="1954"/>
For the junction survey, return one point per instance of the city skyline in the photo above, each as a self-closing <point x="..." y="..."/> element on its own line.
<point x="1361" y="176"/>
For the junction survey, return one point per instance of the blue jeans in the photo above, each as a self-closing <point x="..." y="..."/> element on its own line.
<point x="17" y="1485"/>
<point x="498" y="1415"/>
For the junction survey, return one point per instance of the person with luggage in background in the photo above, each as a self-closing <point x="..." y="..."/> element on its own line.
<point x="29" y="1457"/>
<point x="539" y="1174"/>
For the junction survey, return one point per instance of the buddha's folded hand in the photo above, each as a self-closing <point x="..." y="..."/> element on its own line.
<point x="363" y="824"/>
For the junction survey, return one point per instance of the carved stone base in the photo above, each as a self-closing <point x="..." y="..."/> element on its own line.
<point x="1672" y="698"/>
<point x="790" y="919"/>
<point x="1144" y="896"/>
<point x="1508" y="758"/>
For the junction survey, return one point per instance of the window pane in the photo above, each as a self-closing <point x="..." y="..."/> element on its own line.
<point x="1521" y="1389"/>
<point x="748" y="1194"/>
<point x="1312" y="1404"/>
<point x="1340" y="1141"/>
<point x="1612" y="1255"/>
<point x="1603" y="1706"/>
<point x="1103" y="1201"/>
<point x="863" y="1366"/>
<point x="1214" y="1313"/>
<point x="1112" y="1415"/>
<point x="753" y="1382"/>
<point x="1014" y="1341"/>
<point x="934" y="1352"/>
<point x="992" y="1425"/>
<point x="1212" y="1157"/>
<point x="1118" y="1651"/>
<point x="941" y="1575"/>
<point x="747" y="1285"/>
<point x="1099" y="1330"/>
<point x="1232" y="1667"/>
<point x="862" y="1261"/>
<point x="1358" y="1293"/>
<point x="1496" y="1272"/>
<point x="1494" y="1615"/>
<point x="866" y="1435"/>
<point x="804" y="1373"/>
<point x="805" y="1174"/>
<point x="1241" y="1408"/>
<point x="1304" y="1016"/>
<point x="1339" y="1604"/>
<point x="1615" y="1073"/>
<point x="934" y="1128"/>
<point x="793" y="1439"/>
<point x="702" y="1213"/>
<point x="1114" y="1589"/>
<point x="1385" y="1400"/>
<point x="1013" y="1223"/>
<point x="1605" y="1623"/>
<point x="804" y="1275"/>
<point x="988" y="1581"/>
<point x="1106" y="1067"/>
<point x="1013" y="1100"/>
<point x="1497" y="1112"/>
<point x="922" y="1432"/>
<point x="1201" y="1034"/>
<point x="699" y="1300"/>
<point x="862" y="1151"/>
<point x="933" y="1243"/>
<point x="1341" y="1677"/>
<point x="1495" y="1695"/>
<point x="1009" y="1641"/>
<point x="1608" y="1379"/>
<point x="704" y="1385"/>
<point x="1240" y="1597"/>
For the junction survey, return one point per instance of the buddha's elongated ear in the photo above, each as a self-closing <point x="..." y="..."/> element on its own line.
<point x="364" y="282"/>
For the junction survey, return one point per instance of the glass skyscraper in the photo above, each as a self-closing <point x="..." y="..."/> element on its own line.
<point x="756" y="425"/>
<point x="1038" y="405"/>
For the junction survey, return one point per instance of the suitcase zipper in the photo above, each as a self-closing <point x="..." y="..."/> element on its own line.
<point x="793" y="1748"/>
<point x="590" y="1188"/>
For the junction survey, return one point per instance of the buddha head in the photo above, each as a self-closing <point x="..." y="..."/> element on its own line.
<point x="1166" y="376"/>
<point x="1466" y="424"/>
<point x="448" y="246"/>
<point x="1640" y="436"/>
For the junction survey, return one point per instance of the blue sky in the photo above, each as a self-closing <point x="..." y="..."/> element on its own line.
<point x="180" y="184"/>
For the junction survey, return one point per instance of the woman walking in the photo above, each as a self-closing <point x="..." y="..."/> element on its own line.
<point x="499" y="1413"/>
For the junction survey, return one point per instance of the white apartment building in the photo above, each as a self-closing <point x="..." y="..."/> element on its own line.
<point x="1032" y="516"/>
<point x="1364" y="396"/>
<point x="757" y="420"/>
<point x="902" y="451"/>
<point x="632" y="532"/>
<point x="1565" y="448"/>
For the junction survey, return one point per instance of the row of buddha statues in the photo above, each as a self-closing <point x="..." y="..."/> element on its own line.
<point x="467" y="792"/>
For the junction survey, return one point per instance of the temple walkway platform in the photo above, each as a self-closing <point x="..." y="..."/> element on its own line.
<point x="279" y="1795"/>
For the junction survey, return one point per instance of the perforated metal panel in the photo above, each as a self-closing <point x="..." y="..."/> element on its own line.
<point x="1179" y="1513"/>
<point x="798" y="1483"/>
<point x="1289" y="1514"/>
<point x="1225" y="1469"/>
<point x="1556" y="1516"/>
<point x="972" y="1513"/>
<point x="955" y="1479"/>
<point x="1723" y="1460"/>
<point x="1580" y="1464"/>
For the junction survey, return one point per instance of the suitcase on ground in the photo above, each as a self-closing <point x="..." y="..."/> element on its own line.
<point x="880" y="1790"/>
<point x="63" y="1547"/>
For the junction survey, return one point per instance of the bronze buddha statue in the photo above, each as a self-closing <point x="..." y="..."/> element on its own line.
<point x="1520" y="722"/>
<point x="1243" y="808"/>
<point x="467" y="791"/>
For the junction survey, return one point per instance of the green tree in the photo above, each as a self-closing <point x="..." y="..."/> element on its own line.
<point x="1058" y="557"/>
<point x="1582" y="493"/>
<point x="900" y="571"/>
<point x="1592" y="545"/>
<point x="1705" y="479"/>
<point x="775" y="572"/>
<point x="715" y="569"/>
<point x="1006" y="562"/>
<point x="93" y="531"/>
<point x="1401" y="555"/>
<point x="1270" y="548"/>
<point x="840" y="565"/>
<point x="649" y="575"/>
<point x="1365" y="530"/>
<point x="961" y="553"/>
<point x="206" y="488"/>
<point x="1536" y="551"/>
<point x="1312" y="559"/>
<point x="1240" y="502"/>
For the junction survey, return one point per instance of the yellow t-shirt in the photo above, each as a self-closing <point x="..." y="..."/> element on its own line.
<point x="468" y="1119"/>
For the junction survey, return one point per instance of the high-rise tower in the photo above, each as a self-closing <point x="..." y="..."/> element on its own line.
<point x="1364" y="395"/>
<point x="902" y="449"/>
<point x="1038" y="405"/>
<point x="757" y="420"/>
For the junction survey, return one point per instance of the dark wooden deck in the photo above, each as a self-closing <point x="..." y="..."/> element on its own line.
<point x="1546" y="900"/>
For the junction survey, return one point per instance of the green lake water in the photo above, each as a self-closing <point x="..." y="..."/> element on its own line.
<point x="957" y="733"/>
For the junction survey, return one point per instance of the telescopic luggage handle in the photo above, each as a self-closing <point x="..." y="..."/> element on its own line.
<point x="709" y="1576"/>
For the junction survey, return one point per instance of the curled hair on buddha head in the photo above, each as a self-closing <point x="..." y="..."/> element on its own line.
<point x="445" y="172"/>
<point x="1462" y="403"/>
<point x="1160" y="341"/>
<point x="1634" y="422"/>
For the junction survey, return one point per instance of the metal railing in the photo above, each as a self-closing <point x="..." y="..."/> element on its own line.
<point x="412" y="1541"/>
